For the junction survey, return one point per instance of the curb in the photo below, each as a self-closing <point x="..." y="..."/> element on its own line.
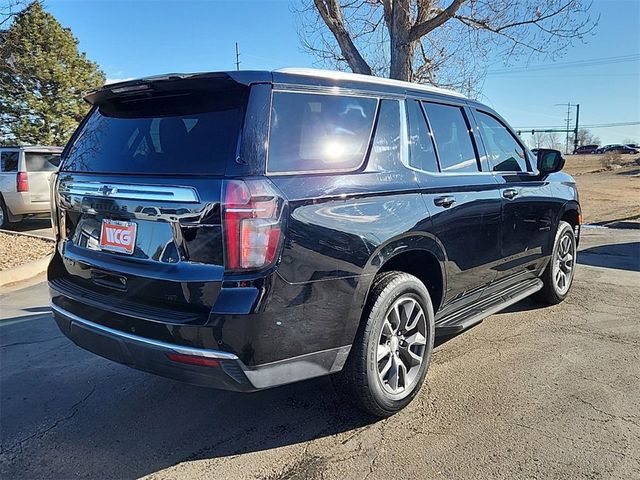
<point x="24" y="272"/>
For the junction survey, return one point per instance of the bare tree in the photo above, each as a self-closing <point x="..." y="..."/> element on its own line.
<point x="553" y="140"/>
<point x="446" y="44"/>
<point x="539" y="140"/>
<point x="9" y="9"/>
<point x="586" y="137"/>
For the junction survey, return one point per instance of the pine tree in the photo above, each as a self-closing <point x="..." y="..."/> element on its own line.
<point x="42" y="79"/>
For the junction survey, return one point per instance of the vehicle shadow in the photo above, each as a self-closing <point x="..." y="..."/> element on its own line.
<point x="89" y="417"/>
<point x="525" y="305"/>
<point x="30" y="224"/>
<point x="630" y="173"/>
<point x="621" y="256"/>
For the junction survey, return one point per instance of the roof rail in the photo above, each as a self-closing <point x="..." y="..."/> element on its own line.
<point x="354" y="77"/>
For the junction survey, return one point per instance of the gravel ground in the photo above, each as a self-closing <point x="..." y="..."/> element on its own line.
<point x="17" y="250"/>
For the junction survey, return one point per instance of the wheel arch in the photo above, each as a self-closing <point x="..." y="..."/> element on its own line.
<point x="572" y="214"/>
<point x="417" y="254"/>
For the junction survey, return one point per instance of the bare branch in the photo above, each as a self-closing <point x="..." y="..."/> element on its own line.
<point x="448" y="45"/>
<point x="331" y="13"/>
<point x="421" y="29"/>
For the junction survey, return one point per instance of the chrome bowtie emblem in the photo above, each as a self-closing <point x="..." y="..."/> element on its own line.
<point x="107" y="190"/>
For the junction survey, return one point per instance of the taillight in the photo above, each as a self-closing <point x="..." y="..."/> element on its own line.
<point x="22" y="184"/>
<point x="252" y="224"/>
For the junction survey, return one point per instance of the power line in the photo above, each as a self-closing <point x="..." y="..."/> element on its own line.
<point x="593" y="125"/>
<point x="574" y="64"/>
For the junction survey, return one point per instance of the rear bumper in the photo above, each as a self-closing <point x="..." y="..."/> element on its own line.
<point x="150" y="355"/>
<point x="19" y="203"/>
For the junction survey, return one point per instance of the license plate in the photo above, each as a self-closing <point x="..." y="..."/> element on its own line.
<point x="116" y="236"/>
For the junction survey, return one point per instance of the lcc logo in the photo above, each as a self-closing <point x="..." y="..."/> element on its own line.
<point x="118" y="236"/>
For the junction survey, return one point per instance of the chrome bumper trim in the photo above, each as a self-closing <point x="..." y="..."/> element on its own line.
<point x="147" y="341"/>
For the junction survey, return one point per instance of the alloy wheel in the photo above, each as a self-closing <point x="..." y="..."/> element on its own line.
<point x="401" y="346"/>
<point x="564" y="263"/>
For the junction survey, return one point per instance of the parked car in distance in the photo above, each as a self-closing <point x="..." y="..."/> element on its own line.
<point x="633" y="145"/>
<point x="586" y="149"/>
<point x="24" y="181"/>
<point x="244" y="230"/>
<point x="617" y="148"/>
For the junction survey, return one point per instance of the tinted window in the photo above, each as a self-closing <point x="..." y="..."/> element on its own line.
<point x="319" y="132"/>
<point x="505" y="153"/>
<point x="9" y="161"/>
<point x="451" y="131"/>
<point x="422" y="154"/>
<point x="187" y="133"/>
<point x="41" y="162"/>
<point x="385" y="152"/>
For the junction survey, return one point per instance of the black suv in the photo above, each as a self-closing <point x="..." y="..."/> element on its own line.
<point x="243" y="230"/>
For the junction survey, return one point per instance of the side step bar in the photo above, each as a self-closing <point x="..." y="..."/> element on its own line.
<point x="460" y="320"/>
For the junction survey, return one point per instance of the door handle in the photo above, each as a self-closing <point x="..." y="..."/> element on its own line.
<point x="510" y="193"/>
<point x="445" y="202"/>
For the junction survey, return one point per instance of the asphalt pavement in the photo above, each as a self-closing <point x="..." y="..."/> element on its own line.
<point x="545" y="392"/>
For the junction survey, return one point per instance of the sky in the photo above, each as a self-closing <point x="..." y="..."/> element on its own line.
<point x="131" y="39"/>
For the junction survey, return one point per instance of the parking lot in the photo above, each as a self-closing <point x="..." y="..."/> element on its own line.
<point x="531" y="392"/>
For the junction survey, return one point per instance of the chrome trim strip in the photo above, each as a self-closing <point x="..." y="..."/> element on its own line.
<point x="367" y="79"/>
<point x="336" y="90"/>
<point x="146" y="341"/>
<point x="404" y="134"/>
<point x="162" y="193"/>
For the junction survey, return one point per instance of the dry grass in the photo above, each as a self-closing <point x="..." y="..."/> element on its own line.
<point x="609" y="186"/>
<point x="17" y="249"/>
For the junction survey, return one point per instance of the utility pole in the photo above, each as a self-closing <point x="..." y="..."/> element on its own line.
<point x="568" y="120"/>
<point x="566" y="145"/>
<point x="575" y="132"/>
<point x="237" y="57"/>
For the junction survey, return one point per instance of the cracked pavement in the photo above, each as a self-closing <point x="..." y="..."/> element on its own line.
<point x="549" y="392"/>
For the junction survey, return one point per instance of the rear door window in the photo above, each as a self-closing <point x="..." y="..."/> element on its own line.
<point x="451" y="132"/>
<point x="505" y="153"/>
<point x="317" y="132"/>
<point x="385" y="151"/>
<point x="422" y="154"/>
<point x="184" y="133"/>
<point x="41" y="162"/>
<point x="9" y="161"/>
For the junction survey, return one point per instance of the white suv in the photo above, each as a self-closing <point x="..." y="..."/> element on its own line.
<point x="24" y="181"/>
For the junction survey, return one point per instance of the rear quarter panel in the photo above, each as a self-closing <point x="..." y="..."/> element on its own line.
<point x="340" y="230"/>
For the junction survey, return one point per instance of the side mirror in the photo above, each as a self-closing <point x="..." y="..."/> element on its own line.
<point x="549" y="161"/>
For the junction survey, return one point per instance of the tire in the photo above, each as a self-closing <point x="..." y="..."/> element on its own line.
<point x="364" y="379"/>
<point x="4" y="214"/>
<point x="553" y="291"/>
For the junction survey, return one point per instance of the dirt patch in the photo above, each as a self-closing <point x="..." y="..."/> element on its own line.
<point x="609" y="186"/>
<point x="17" y="250"/>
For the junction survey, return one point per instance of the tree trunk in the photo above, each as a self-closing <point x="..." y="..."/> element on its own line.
<point x="401" y="60"/>
<point x="402" y="48"/>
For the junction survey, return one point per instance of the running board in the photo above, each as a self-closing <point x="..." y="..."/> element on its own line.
<point x="462" y="319"/>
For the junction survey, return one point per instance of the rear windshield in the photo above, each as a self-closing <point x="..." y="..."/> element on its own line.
<point x="181" y="133"/>
<point x="41" y="162"/>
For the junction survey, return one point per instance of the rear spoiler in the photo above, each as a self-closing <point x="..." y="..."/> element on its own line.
<point x="175" y="81"/>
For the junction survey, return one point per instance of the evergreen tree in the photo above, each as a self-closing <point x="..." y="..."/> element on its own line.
<point x="42" y="79"/>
